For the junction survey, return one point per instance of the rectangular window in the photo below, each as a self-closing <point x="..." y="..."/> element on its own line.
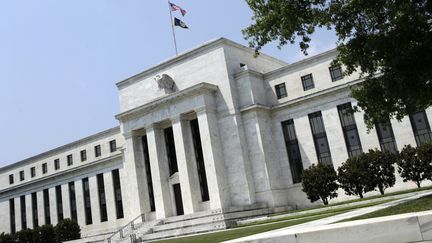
<point x="46" y="206"/>
<point x="56" y="164"/>
<point x="35" y="210"/>
<point x="87" y="204"/>
<point x="32" y="172"/>
<point x="281" y="91"/>
<point x="72" y="201"/>
<point x="21" y="175"/>
<point x="44" y="168"/>
<point x="102" y="198"/>
<point x="97" y="150"/>
<point x="349" y="127"/>
<point x="421" y="128"/>
<point x="293" y="150"/>
<point x="83" y="154"/>
<point x="117" y="193"/>
<point x="386" y="137"/>
<point x="23" y="212"/>
<point x="59" y="200"/>
<point x="320" y="138"/>
<point x="11" y="179"/>
<point x="148" y="174"/>
<point x="170" y="150"/>
<point x="307" y="82"/>
<point x="336" y="73"/>
<point x="113" y="146"/>
<point x="69" y="159"/>
<point x="12" y="215"/>
<point x="199" y="157"/>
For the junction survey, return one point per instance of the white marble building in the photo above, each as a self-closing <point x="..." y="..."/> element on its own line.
<point x="211" y="131"/>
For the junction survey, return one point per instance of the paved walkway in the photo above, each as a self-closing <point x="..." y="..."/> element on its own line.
<point x="325" y="221"/>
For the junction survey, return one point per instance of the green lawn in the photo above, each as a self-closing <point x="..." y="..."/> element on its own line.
<point x="421" y="204"/>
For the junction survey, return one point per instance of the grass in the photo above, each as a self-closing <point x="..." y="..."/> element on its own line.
<point x="418" y="205"/>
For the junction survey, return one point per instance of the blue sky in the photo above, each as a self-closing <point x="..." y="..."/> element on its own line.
<point x="60" y="60"/>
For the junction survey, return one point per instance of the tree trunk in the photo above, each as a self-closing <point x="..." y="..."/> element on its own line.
<point x="381" y="189"/>
<point x="418" y="184"/>
<point x="325" y="201"/>
<point x="360" y="194"/>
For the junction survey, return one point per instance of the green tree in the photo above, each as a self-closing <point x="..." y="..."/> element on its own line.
<point x="67" y="229"/>
<point x="393" y="38"/>
<point x="47" y="234"/>
<point x="411" y="167"/>
<point x="24" y="236"/>
<point x="319" y="182"/>
<point x="354" y="176"/>
<point x="381" y="169"/>
<point x="425" y="155"/>
<point x="7" y="238"/>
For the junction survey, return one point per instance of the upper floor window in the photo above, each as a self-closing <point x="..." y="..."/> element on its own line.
<point x="11" y="179"/>
<point x="56" y="164"/>
<point x="336" y="73"/>
<point x="83" y="154"/>
<point x="44" y="168"/>
<point x="349" y="127"/>
<point x="69" y="160"/>
<point x="281" y="91"/>
<point x="421" y="128"/>
<point x="33" y="171"/>
<point x="21" y="175"/>
<point x="113" y="146"/>
<point x="97" y="150"/>
<point x="307" y="82"/>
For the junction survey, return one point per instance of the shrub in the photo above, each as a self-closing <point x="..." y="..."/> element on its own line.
<point x="381" y="169"/>
<point x="47" y="233"/>
<point x="7" y="238"/>
<point x="319" y="182"/>
<point x="67" y="229"/>
<point x="354" y="176"/>
<point x="24" y="236"/>
<point x="413" y="165"/>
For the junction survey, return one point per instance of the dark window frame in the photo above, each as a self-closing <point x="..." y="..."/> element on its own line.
<point x="44" y="168"/>
<point x="148" y="173"/>
<point x="291" y="143"/>
<point x="35" y="215"/>
<point x="32" y="172"/>
<point x="21" y="175"/>
<point x="118" y="200"/>
<point x="113" y="146"/>
<point x="12" y="215"/>
<point x="46" y="206"/>
<point x="69" y="159"/>
<point x="59" y="203"/>
<point x="23" y="209"/>
<point x="97" y="151"/>
<point x="170" y="150"/>
<point x="83" y="155"/>
<point x="87" y="203"/>
<point x="199" y="157"/>
<point x="336" y="73"/>
<point x="387" y="143"/>
<point x="72" y="201"/>
<point x="350" y="130"/>
<point x="319" y="135"/>
<point x="422" y="135"/>
<point x="102" y="197"/>
<point x="11" y="179"/>
<point x="281" y="91"/>
<point x="307" y="82"/>
<point x="56" y="164"/>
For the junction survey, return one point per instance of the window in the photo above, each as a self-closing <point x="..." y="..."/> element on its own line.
<point x="44" y="168"/>
<point x="59" y="202"/>
<point x="199" y="157"/>
<point x="148" y="174"/>
<point x="12" y="215"/>
<point x="113" y="146"/>
<point x="420" y="126"/>
<point x="293" y="150"/>
<point x="87" y="205"/>
<point x="349" y="127"/>
<point x="102" y="198"/>
<point x="386" y="137"/>
<point x="32" y="172"/>
<point x="46" y="206"/>
<point x="35" y="210"/>
<point x="320" y="138"/>
<point x="336" y="73"/>
<point x="97" y="150"/>
<point x="21" y="175"/>
<point x="69" y="159"/>
<point x="72" y="201"/>
<point x="307" y="82"/>
<point x="11" y="179"/>
<point x="83" y="154"/>
<point x="23" y="212"/>
<point x="281" y="91"/>
<point x="117" y="193"/>
<point x="56" y="164"/>
<point x="170" y="150"/>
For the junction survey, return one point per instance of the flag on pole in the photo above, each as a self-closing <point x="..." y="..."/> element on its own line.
<point x="176" y="7"/>
<point x="178" y="22"/>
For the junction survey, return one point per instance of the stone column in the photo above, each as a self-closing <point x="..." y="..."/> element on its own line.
<point x="18" y="225"/>
<point x="29" y="211"/>
<point x="213" y="159"/>
<point x="160" y="172"/>
<point x="66" y="201"/>
<point x="41" y="209"/>
<point x="109" y="194"/>
<point x="94" y="199"/>
<point x="186" y="164"/>
<point x="53" y="205"/>
<point x="79" y="195"/>
<point x="335" y="136"/>
<point x="368" y="140"/>
<point x="403" y="133"/>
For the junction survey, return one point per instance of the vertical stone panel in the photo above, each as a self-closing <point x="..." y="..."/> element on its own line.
<point x="53" y="205"/>
<point x="5" y="221"/>
<point x="40" y="204"/>
<point x="79" y="194"/>
<point x="305" y="141"/>
<point x="109" y="194"/>
<point x="66" y="202"/>
<point x="29" y="211"/>
<point x="369" y="140"/>
<point x="403" y="133"/>
<point x="94" y="199"/>
<point x="335" y="135"/>
<point x="18" y="213"/>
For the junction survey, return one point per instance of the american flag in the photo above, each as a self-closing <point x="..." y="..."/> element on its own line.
<point x="176" y="7"/>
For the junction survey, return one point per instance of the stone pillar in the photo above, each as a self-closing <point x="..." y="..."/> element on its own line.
<point x="79" y="195"/>
<point x="18" y="225"/>
<point x="160" y="172"/>
<point x="94" y="199"/>
<point x="66" y="201"/>
<point x="368" y="140"/>
<point x="213" y="160"/>
<point x="53" y="205"/>
<point x="335" y="136"/>
<point x="187" y="165"/>
<point x="109" y="194"/>
<point x="29" y="211"/>
<point x="41" y="209"/>
<point x="429" y="115"/>
<point x="403" y="133"/>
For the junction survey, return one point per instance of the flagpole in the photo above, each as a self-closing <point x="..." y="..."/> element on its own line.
<point x="172" y="27"/>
